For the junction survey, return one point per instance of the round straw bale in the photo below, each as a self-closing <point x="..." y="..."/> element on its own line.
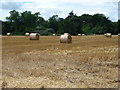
<point x="66" y="38"/>
<point x="118" y="34"/>
<point x="27" y="34"/>
<point x="54" y="34"/>
<point x="79" y="34"/>
<point x="34" y="36"/>
<point x="83" y="34"/>
<point x="8" y="34"/>
<point x="105" y="34"/>
<point x="108" y="35"/>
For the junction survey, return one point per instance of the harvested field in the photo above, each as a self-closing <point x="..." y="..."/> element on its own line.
<point x="88" y="62"/>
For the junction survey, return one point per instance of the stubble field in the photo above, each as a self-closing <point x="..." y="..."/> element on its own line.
<point x="88" y="62"/>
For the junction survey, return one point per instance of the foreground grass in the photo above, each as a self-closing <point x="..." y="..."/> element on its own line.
<point x="89" y="62"/>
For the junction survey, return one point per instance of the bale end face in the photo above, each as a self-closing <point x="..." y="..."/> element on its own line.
<point x="69" y="39"/>
<point x="27" y="34"/>
<point x="8" y="34"/>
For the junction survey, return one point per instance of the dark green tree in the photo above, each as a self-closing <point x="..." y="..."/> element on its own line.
<point x="53" y="22"/>
<point x="19" y="23"/>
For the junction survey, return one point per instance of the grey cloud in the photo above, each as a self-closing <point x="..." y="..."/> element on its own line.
<point x="11" y="5"/>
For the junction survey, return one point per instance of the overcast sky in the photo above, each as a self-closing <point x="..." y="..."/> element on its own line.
<point x="47" y="8"/>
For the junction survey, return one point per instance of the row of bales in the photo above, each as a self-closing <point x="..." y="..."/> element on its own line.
<point x="108" y="35"/>
<point x="65" y="38"/>
<point x="27" y="34"/>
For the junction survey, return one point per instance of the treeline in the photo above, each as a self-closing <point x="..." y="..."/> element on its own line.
<point x="19" y="23"/>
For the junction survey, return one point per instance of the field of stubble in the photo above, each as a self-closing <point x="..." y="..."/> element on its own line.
<point x="88" y="62"/>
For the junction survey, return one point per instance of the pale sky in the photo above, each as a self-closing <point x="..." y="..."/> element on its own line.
<point x="47" y="8"/>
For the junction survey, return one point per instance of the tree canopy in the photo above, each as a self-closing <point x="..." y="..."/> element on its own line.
<point x="18" y="23"/>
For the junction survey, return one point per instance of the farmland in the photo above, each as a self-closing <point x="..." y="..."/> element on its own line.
<point x="88" y="62"/>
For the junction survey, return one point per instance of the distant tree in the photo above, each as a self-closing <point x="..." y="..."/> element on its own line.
<point x="118" y="26"/>
<point x="53" y="22"/>
<point x="71" y="14"/>
<point x="6" y="27"/>
<point x="13" y="16"/>
<point x="19" y="23"/>
<point x="72" y="25"/>
<point x="25" y="21"/>
<point x="87" y="29"/>
<point x="86" y="18"/>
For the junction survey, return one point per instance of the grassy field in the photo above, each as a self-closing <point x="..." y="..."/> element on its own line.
<point x="88" y="62"/>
